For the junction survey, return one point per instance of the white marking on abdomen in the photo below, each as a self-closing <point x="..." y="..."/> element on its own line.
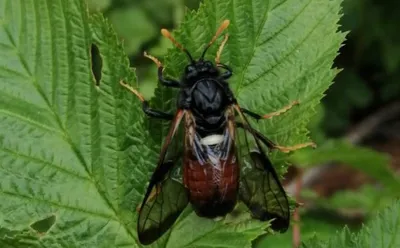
<point x="212" y="139"/>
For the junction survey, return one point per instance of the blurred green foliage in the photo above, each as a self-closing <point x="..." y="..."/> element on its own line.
<point x="382" y="231"/>
<point x="372" y="163"/>
<point x="370" y="60"/>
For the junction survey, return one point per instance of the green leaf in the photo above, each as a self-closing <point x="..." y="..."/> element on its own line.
<point x="373" y="163"/>
<point x="194" y="231"/>
<point x="310" y="225"/>
<point x="63" y="139"/>
<point x="98" y="5"/>
<point x="381" y="232"/>
<point x="81" y="151"/>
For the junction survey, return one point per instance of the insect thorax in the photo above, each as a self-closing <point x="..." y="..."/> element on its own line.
<point x="209" y="102"/>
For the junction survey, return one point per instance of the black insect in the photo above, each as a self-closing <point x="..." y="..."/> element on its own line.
<point x="224" y="158"/>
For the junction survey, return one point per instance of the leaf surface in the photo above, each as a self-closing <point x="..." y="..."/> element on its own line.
<point x="62" y="138"/>
<point x="80" y="152"/>
<point x="381" y="232"/>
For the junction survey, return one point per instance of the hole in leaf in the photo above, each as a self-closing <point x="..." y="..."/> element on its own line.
<point x="97" y="63"/>
<point x="42" y="226"/>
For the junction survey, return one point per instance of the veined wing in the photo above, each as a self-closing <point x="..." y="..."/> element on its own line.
<point x="260" y="187"/>
<point x="165" y="197"/>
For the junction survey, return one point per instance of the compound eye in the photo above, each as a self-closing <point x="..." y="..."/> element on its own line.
<point x="190" y="68"/>
<point x="208" y="64"/>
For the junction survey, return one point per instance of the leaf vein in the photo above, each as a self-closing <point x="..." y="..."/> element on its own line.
<point x="12" y="73"/>
<point x="54" y="62"/>
<point x="290" y="52"/>
<point x="259" y="31"/>
<point x="287" y="25"/>
<point x="55" y="204"/>
<point x="45" y="163"/>
<point x="34" y="123"/>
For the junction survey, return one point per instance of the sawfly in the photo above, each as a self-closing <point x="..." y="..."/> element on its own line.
<point x="223" y="159"/>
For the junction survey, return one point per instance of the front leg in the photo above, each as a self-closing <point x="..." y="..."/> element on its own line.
<point x="227" y="74"/>
<point x="270" y="115"/>
<point x="168" y="82"/>
<point x="146" y="108"/>
<point x="156" y="113"/>
<point x="271" y="145"/>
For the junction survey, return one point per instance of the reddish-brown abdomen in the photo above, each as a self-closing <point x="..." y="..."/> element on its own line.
<point x="212" y="187"/>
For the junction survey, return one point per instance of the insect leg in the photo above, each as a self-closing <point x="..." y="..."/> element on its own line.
<point x="270" y="115"/>
<point x="146" y="109"/>
<point x="287" y="149"/>
<point x="272" y="145"/>
<point x="221" y="47"/>
<point x="228" y="72"/>
<point x="164" y="81"/>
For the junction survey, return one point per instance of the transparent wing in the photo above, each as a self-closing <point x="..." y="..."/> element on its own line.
<point x="165" y="198"/>
<point x="260" y="188"/>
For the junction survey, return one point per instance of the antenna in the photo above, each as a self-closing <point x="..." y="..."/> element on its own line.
<point x="221" y="28"/>
<point x="168" y="35"/>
